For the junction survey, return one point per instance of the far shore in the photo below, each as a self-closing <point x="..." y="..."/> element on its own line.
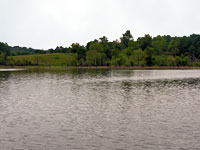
<point x="104" y="67"/>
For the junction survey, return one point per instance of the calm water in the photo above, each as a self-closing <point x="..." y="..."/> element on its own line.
<point x="100" y="110"/>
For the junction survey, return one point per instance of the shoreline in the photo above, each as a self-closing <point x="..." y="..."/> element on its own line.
<point x="104" y="67"/>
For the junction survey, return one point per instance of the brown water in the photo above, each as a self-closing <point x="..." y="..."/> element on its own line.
<point x="100" y="110"/>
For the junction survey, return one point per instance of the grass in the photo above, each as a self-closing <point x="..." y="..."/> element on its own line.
<point x="56" y="59"/>
<point x="59" y="61"/>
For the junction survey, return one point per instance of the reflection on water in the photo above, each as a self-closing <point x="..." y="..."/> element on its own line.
<point x="7" y="70"/>
<point x="100" y="110"/>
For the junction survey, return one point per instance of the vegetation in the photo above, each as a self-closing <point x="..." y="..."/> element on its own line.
<point x="145" y="51"/>
<point x="57" y="59"/>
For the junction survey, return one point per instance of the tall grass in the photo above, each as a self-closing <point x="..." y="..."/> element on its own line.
<point x="55" y="59"/>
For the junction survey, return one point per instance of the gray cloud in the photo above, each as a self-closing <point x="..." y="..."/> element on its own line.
<point x="49" y="23"/>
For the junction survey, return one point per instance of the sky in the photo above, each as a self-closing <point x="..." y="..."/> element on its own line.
<point x="45" y="24"/>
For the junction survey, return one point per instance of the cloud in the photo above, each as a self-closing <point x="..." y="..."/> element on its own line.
<point x="49" y="23"/>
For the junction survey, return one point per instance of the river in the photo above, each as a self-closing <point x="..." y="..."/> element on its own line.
<point x="100" y="109"/>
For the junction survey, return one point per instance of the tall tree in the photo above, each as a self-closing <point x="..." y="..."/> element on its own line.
<point x="149" y="55"/>
<point x="145" y="42"/>
<point x="159" y="44"/>
<point x="126" y="38"/>
<point x="138" y="58"/>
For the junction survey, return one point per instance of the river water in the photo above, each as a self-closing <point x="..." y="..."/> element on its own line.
<point x="90" y="109"/>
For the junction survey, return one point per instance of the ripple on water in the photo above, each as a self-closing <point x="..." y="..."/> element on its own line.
<point x="108" y="109"/>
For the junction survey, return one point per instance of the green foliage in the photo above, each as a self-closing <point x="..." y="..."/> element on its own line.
<point x="181" y="61"/>
<point x="3" y="58"/>
<point x="4" y="48"/>
<point x="95" y="58"/>
<point x="159" y="61"/>
<point x="138" y="58"/>
<point x="149" y="55"/>
<point x="71" y="59"/>
<point x="96" y="47"/>
<point x="173" y="47"/>
<point x="120" y="60"/>
<point x="146" y="51"/>
<point x="145" y="42"/>
<point x="170" y="61"/>
<point x="133" y="45"/>
<point x="57" y="59"/>
<point x="126" y="38"/>
<point x="80" y="51"/>
<point x="159" y="44"/>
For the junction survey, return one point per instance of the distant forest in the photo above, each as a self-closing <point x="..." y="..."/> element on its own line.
<point x="145" y="51"/>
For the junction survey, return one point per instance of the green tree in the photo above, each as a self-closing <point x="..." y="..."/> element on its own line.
<point x="106" y="47"/>
<point x="4" y="48"/>
<point x="95" y="58"/>
<point x="80" y="51"/>
<point x="192" y="52"/>
<point x="126" y="38"/>
<point x="133" y="44"/>
<point x="170" y="61"/>
<point x="184" y="60"/>
<point x="128" y="53"/>
<point x="159" y="60"/>
<point x="149" y="55"/>
<point x="138" y="58"/>
<point x="145" y="41"/>
<point x="178" y="61"/>
<point x="3" y="58"/>
<point x="159" y="44"/>
<point x="173" y="47"/>
<point x="96" y="47"/>
<point x="120" y="60"/>
<point x="115" y="54"/>
<point x="103" y="40"/>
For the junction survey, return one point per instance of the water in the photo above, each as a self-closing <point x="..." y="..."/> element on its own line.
<point x="100" y="110"/>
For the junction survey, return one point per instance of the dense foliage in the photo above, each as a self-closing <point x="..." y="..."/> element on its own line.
<point x="145" y="51"/>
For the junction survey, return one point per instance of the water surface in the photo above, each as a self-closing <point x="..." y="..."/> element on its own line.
<point x="100" y="110"/>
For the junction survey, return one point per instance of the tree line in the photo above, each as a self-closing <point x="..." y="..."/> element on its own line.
<point x="145" y="51"/>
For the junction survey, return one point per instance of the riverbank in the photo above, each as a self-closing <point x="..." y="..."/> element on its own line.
<point x="104" y="67"/>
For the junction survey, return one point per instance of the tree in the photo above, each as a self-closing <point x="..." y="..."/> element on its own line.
<point x="120" y="60"/>
<point x="173" y="47"/>
<point x="149" y="55"/>
<point x="90" y="43"/>
<point x="4" y="48"/>
<point x="159" y="60"/>
<point x="170" y="61"/>
<point x="3" y="58"/>
<point x="178" y="61"/>
<point x="74" y="47"/>
<point x="160" y="50"/>
<point x="80" y="51"/>
<point x="97" y="47"/>
<point x="103" y="40"/>
<point x="95" y="58"/>
<point x="128" y="53"/>
<point x="126" y="38"/>
<point x="106" y="46"/>
<point x="192" y="52"/>
<point x="184" y="44"/>
<point x="133" y="44"/>
<point x="4" y="52"/>
<point x="115" y="45"/>
<point x="138" y="58"/>
<point x="159" y="44"/>
<point x="145" y="42"/>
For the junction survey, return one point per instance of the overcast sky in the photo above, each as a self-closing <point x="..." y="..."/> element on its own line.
<point x="50" y="23"/>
